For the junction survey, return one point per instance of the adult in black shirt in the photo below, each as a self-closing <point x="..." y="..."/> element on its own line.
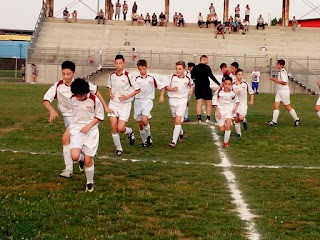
<point x="201" y="74"/>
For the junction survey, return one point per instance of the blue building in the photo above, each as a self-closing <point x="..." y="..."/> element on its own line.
<point x="10" y="49"/>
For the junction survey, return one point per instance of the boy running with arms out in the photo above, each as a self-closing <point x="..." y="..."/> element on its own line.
<point x="241" y="88"/>
<point x="143" y="103"/>
<point x="225" y="102"/>
<point x="282" y="95"/>
<point x="179" y="88"/>
<point x="62" y="92"/>
<point x="84" y="131"/>
<point x="122" y="88"/>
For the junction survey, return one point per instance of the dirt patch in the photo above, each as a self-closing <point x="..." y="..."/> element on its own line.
<point x="34" y="187"/>
<point x="14" y="127"/>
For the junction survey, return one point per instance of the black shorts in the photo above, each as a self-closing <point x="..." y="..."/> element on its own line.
<point x="205" y="95"/>
<point x="23" y="74"/>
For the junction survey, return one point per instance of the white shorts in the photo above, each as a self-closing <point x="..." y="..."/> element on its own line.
<point x="142" y="107"/>
<point x="242" y="109"/>
<point x="67" y="121"/>
<point x="121" y="110"/>
<point x="178" y="106"/>
<point x="283" y="96"/>
<point x="88" y="142"/>
<point x="224" y="115"/>
<point x="318" y="101"/>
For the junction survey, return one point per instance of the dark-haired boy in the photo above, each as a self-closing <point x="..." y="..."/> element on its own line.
<point x="87" y="112"/>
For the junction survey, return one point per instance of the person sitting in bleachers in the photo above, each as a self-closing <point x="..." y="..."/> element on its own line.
<point x="175" y="19"/>
<point x="134" y="18"/>
<point x="220" y="30"/>
<point x="230" y="20"/>
<point x="154" y="20"/>
<point x="181" y="21"/>
<point x="236" y="24"/>
<point x="140" y="20"/>
<point x="162" y="19"/>
<point x="208" y="20"/>
<point x="200" y="20"/>
<point x="214" y="19"/>
<point x="101" y="17"/>
<point x="244" y="26"/>
<point x="260" y="22"/>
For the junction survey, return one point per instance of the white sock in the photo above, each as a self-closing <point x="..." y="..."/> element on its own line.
<point x="244" y="120"/>
<point x="318" y="113"/>
<point x="294" y="114"/>
<point x="275" y="116"/>
<point x="81" y="158"/>
<point x="186" y="114"/>
<point x="128" y="131"/>
<point x="148" y="130"/>
<point x="116" y="141"/>
<point x="67" y="158"/>
<point x="143" y="135"/>
<point x="89" y="173"/>
<point x="176" y="132"/>
<point x="237" y="128"/>
<point x="181" y="130"/>
<point x="227" y="134"/>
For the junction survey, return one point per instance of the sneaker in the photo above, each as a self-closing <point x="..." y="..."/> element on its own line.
<point x="199" y="121"/>
<point x="187" y="120"/>
<point x="66" y="173"/>
<point x="81" y="166"/>
<point x="118" y="153"/>
<point x="172" y="145"/>
<point x="271" y="123"/>
<point x="297" y="122"/>
<point x="225" y="145"/>
<point x="143" y="144"/>
<point x="245" y="125"/>
<point x="181" y="137"/>
<point x="149" y="141"/>
<point x="131" y="138"/>
<point x="209" y="122"/>
<point x="89" y="187"/>
<point x="239" y="136"/>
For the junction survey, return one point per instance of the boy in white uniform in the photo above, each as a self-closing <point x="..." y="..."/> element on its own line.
<point x="143" y="103"/>
<point x="191" y="65"/>
<point x="282" y="95"/>
<point x="225" y="102"/>
<point x="317" y="106"/>
<point x="242" y="88"/>
<point x="61" y="91"/>
<point x="84" y="131"/>
<point x="122" y="88"/>
<point x="179" y="89"/>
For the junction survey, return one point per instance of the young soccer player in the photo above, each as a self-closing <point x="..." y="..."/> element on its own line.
<point x="179" y="88"/>
<point x="122" y="88"/>
<point x="61" y="91"/>
<point x="143" y="103"/>
<point x="233" y="68"/>
<point x="242" y="88"/>
<point x="87" y="112"/>
<point x="224" y="70"/>
<point x="282" y="95"/>
<point x="317" y="106"/>
<point x="191" y="65"/>
<point x="225" y="102"/>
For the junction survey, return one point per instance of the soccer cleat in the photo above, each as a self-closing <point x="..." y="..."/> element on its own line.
<point x="199" y="121"/>
<point x="66" y="173"/>
<point x="149" y="141"/>
<point x="297" y="122"/>
<point x="131" y="138"/>
<point x="225" y="145"/>
<point x="118" y="153"/>
<point x="245" y="125"/>
<point x="187" y="120"/>
<point x="81" y="166"/>
<point x="172" y="145"/>
<point x="239" y="136"/>
<point x="143" y="144"/>
<point x="209" y="122"/>
<point x="271" y="123"/>
<point x="181" y="137"/>
<point x="89" y="187"/>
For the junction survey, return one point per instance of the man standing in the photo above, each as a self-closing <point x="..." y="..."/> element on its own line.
<point x="201" y="74"/>
<point x="125" y="10"/>
<point x="118" y="8"/>
<point x="135" y="7"/>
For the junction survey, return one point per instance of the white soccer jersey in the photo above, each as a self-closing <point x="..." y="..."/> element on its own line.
<point x="183" y="86"/>
<point x="242" y="89"/>
<point x="234" y="78"/>
<point x="63" y="94"/>
<point x="123" y="84"/>
<point x="224" y="100"/>
<point x="283" y="76"/>
<point x="147" y="86"/>
<point x="85" y="111"/>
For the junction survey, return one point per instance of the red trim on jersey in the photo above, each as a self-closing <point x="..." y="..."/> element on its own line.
<point x="58" y="84"/>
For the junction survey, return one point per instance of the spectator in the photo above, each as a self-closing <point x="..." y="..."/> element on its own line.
<point x="66" y="15"/>
<point x="294" y="23"/>
<point x="154" y="20"/>
<point x="125" y="10"/>
<point x="135" y="7"/>
<point x="140" y="20"/>
<point x="162" y="19"/>
<point x="236" y="24"/>
<point x="134" y="55"/>
<point x="255" y="80"/>
<point x="200" y="20"/>
<point x="212" y="10"/>
<point x="244" y="26"/>
<point x="34" y="71"/>
<point x="74" y="16"/>
<point x="220" y="30"/>
<point x="208" y="20"/>
<point x="230" y="20"/>
<point x="23" y="72"/>
<point x="175" y="19"/>
<point x="110" y="10"/>
<point x="147" y="19"/>
<point x="237" y="11"/>
<point x="118" y="8"/>
<point x="247" y="14"/>
<point x="181" y="21"/>
<point x="260" y="22"/>
<point x="227" y="26"/>
<point x="134" y="18"/>
<point x="214" y="19"/>
<point x="101" y="17"/>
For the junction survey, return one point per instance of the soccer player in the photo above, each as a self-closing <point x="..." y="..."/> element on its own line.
<point x="191" y="65"/>
<point x="282" y="95"/>
<point x="241" y="88"/>
<point x="62" y="92"/>
<point x="179" y="88"/>
<point x="143" y="103"/>
<point x="122" y="88"/>
<point x="87" y="112"/>
<point x="201" y="74"/>
<point x="224" y="70"/>
<point x="233" y="68"/>
<point x="317" y="106"/>
<point x="225" y="102"/>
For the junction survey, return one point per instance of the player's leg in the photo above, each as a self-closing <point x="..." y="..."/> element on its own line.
<point x="146" y="115"/>
<point x="142" y="134"/>
<point x="276" y="111"/>
<point x="186" y="115"/>
<point x="68" y="171"/>
<point x="198" y="109"/>
<point x="208" y="103"/>
<point x="126" y="130"/>
<point x="176" y="131"/>
<point x="285" y="96"/>
<point x="227" y="132"/>
<point x="89" y="170"/>
<point x="237" y="126"/>
<point x="115" y="135"/>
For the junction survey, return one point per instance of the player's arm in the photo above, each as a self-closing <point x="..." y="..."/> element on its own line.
<point x="103" y="102"/>
<point x="47" y="99"/>
<point x="251" y="99"/>
<point x="86" y="128"/>
<point x="125" y="97"/>
<point x="161" y="98"/>
<point x="276" y="80"/>
<point x="213" y="77"/>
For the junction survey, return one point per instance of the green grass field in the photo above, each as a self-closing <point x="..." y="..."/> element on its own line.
<point x="158" y="193"/>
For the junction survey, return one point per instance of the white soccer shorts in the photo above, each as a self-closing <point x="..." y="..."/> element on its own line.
<point x="224" y="115"/>
<point x="318" y="101"/>
<point x="178" y="106"/>
<point x="142" y="107"/>
<point x="242" y="109"/>
<point x="88" y="142"/>
<point x="283" y="96"/>
<point x="121" y="110"/>
<point x="67" y="121"/>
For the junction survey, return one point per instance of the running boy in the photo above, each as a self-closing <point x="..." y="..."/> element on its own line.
<point x="122" y="88"/>
<point x="225" y="102"/>
<point x="84" y="131"/>
<point x="191" y="65"/>
<point x="282" y="95"/>
<point x="143" y="103"/>
<point x="241" y="88"/>
<point x="62" y="92"/>
<point x="179" y="88"/>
